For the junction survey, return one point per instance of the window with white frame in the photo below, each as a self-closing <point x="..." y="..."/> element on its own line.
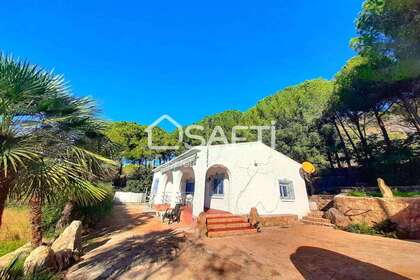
<point x="218" y="185"/>
<point x="286" y="190"/>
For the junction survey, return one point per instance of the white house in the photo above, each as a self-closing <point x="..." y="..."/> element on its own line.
<point x="233" y="178"/>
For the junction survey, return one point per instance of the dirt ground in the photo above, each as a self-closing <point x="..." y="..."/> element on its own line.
<point x="132" y="244"/>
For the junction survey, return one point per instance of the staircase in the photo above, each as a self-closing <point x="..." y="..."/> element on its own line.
<point x="316" y="218"/>
<point x="226" y="224"/>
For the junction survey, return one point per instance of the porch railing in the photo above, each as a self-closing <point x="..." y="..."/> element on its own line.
<point x="180" y="197"/>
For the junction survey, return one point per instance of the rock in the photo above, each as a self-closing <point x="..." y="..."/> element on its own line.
<point x="21" y="253"/>
<point x="70" y="239"/>
<point x="385" y="190"/>
<point x="254" y="218"/>
<point x="42" y="258"/>
<point x="313" y="206"/>
<point x="337" y="218"/>
<point x="64" y="259"/>
<point x="201" y="227"/>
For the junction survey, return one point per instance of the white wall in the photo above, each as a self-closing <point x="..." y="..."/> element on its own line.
<point x="254" y="170"/>
<point x="129" y="197"/>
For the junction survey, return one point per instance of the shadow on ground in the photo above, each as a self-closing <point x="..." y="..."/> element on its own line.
<point x="120" y="220"/>
<point x="318" y="263"/>
<point x="146" y="249"/>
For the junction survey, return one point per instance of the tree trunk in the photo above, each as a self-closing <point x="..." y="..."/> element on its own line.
<point x="343" y="143"/>
<point x="362" y="137"/>
<point x="337" y="157"/>
<point x="348" y="136"/>
<point x="36" y="220"/>
<point x="412" y="112"/>
<point x="330" y="159"/>
<point x="65" y="215"/>
<point x="383" y="129"/>
<point x="4" y="192"/>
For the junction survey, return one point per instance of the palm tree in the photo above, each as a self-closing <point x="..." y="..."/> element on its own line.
<point x="41" y="127"/>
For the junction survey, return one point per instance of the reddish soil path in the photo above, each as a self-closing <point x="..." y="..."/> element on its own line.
<point x="134" y="245"/>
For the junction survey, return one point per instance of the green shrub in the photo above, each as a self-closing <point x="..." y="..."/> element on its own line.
<point x="405" y="194"/>
<point x="130" y="169"/>
<point x="14" y="271"/>
<point x="396" y="193"/>
<point x="90" y="215"/>
<point x="362" y="228"/>
<point x="359" y="193"/>
<point x="51" y="213"/>
<point x="385" y="228"/>
<point x="136" y="186"/>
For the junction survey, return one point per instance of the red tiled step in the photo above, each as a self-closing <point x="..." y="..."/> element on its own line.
<point x="212" y="226"/>
<point x="218" y="215"/>
<point x="230" y="231"/>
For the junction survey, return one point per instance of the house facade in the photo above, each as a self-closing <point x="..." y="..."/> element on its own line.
<point x="232" y="178"/>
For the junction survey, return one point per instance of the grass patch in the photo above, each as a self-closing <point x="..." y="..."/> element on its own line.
<point x="378" y="194"/>
<point x="15" y="229"/>
<point x="10" y="245"/>
<point x="15" y="225"/>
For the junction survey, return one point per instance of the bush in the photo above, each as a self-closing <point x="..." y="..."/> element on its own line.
<point x="385" y="228"/>
<point x="141" y="180"/>
<point x="90" y="215"/>
<point x="396" y="193"/>
<point x="51" y="213"/>
<point x="362" y="228"/>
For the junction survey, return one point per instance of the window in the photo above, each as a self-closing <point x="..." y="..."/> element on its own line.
<point x="218" y="185"/>
<point x="155" y="185"/>
<point x="286" y="190"/>
<point x="189" y="186"/>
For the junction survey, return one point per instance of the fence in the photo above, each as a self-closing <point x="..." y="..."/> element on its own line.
<point x="129" y="197"/>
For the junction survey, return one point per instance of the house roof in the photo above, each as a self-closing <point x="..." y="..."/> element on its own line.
<point x="190" y="155"/>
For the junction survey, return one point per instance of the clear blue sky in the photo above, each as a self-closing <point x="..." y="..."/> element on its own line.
<point x="188" y="59"/>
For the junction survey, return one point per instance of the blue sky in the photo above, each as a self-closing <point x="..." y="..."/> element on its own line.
<point x="188" y="59"/>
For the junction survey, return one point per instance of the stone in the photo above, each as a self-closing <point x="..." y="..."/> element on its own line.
<point x="337" y="218"/>
<point x="313" y="206"/>
<point x="404" y="211"/>
<point x="70" y="239"/>
<point x="385" y="189"/>
<point x="254" y="218"/>
<point x="21" y="252"/>
<point x="42" y="258"/>
<point x="201" y="226"/>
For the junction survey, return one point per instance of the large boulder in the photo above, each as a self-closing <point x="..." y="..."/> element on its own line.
<point x="385" y="189"/>
<point x="68" y="246"/>
<point x="337" y="218"/>
<point x="70" y="239"/>
<point x="42" y="258"/>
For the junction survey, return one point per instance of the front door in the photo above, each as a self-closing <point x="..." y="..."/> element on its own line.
<point x="189" y="187"/>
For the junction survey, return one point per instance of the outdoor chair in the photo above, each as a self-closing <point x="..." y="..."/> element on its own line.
<point x="172" y="214"/>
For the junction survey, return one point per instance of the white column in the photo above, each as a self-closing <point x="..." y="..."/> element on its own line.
<point x="199" y="192"/>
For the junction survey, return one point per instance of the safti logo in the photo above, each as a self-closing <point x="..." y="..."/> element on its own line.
<point x="217" y="135"/>
<point x="149" y="131"/>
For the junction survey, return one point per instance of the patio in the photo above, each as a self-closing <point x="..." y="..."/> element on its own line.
<point x="133" y="244"/>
